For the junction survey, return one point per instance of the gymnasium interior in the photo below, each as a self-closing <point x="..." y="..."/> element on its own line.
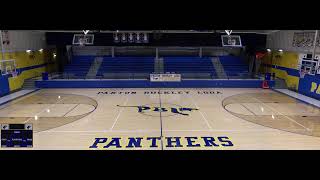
<point x="160" y="89"/>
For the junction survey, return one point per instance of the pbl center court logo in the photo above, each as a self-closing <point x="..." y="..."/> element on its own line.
<point x="163" y="110"/>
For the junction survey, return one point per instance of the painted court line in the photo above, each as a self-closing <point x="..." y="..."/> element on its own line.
<point x="248" y="109"/>
<point x="136" y="131"/>
<point x="116" y="119"/>
<point x="292" y="120"/>
<point x="161" y="129"/>
<point x="48" y="107"/>
<point x="71" y="110"/>
<point x="203" y="117"/>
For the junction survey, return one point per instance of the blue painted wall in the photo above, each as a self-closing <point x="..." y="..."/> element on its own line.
<point x="4" y="85"/>
<point x="148" y="84"/>
<point x="310" y="86"/>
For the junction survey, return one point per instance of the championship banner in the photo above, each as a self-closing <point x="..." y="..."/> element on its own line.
<point x="165" y="77"/>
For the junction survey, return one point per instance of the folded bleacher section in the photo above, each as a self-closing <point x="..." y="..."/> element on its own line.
<point x="142" y="67"/>
<point x="126" y="67"/>
<point x="190" y="67"/>
<point x="234" y="66"/>
<point x="79" y="66"/>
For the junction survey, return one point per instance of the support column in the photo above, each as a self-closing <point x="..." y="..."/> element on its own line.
<point x="315" y="45"/>
<point x="157" y="53"/>
<point x="2" y="48"/>
<point x="112" y="51"/>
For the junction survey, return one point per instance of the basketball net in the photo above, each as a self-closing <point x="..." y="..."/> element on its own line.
<point x="14" y="74"/>
<point x="302" y="73"/>
<point x="231" y="41"/>
<point x="82" y="41"/>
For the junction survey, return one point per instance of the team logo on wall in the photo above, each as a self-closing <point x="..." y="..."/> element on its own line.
<point x="164" y="110"/>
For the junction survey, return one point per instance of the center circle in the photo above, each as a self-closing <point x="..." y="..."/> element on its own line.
<point x="157" y="109"/>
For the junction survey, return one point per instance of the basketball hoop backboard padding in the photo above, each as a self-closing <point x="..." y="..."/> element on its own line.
<point x="4" y="84"/>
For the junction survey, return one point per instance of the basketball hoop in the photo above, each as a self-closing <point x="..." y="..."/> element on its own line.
<point x="82" y="41"/>
<point x="7" y="66"/>
<point x="231" y="41"/>
<point x="302" y="73"/>
<point x="14" y="74"/>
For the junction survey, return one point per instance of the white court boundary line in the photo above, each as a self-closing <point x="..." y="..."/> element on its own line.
<point x="203" y="117"/>
<point x="292" y="120"/>
<point x="117" y="118"/>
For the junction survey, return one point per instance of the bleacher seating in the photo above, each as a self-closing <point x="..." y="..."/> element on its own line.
<point x="79" y="66"/>
<point x="126" y="65"/>
<point x="233" y="66"/>
<point x="142" y="67"/>
<point x="190" y="66"/>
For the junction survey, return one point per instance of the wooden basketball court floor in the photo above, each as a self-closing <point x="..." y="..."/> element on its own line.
<point x="169" y="119"/>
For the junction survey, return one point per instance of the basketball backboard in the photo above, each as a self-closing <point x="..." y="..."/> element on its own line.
<point x="8" y="67"/>
<point x="231" y="41"/>
<point x="83" y="39"/>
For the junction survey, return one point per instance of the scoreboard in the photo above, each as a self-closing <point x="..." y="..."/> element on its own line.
<point x="165" y="77"/>
<point x="16" y="135"/>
